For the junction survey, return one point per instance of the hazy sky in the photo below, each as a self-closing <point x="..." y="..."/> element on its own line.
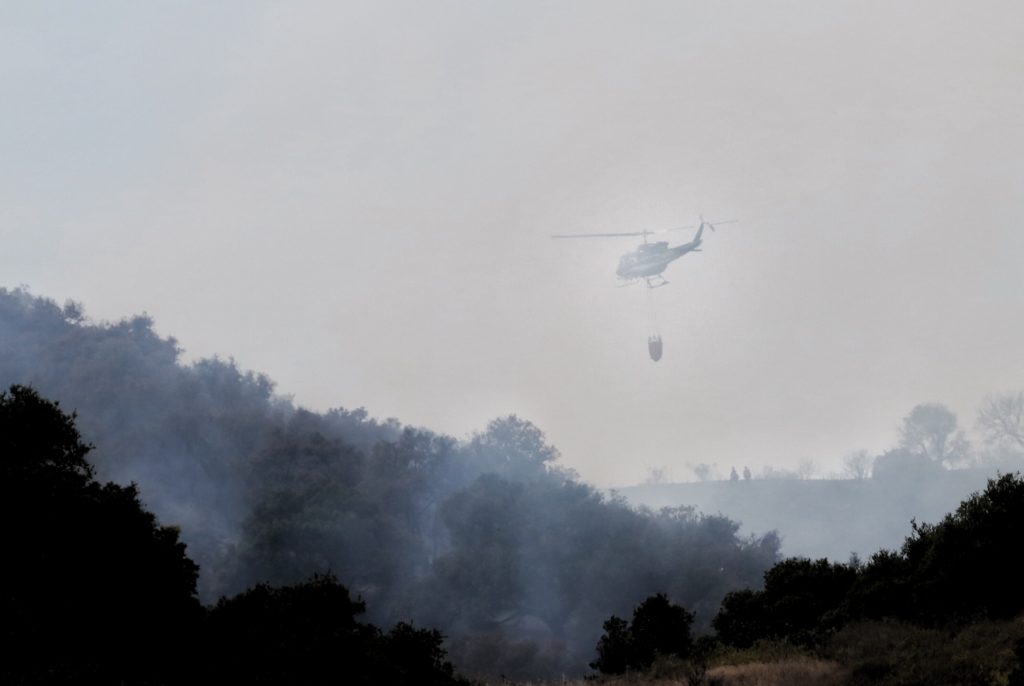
<point x="357" y="198"/>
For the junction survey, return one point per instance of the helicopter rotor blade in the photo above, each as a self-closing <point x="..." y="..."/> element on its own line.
<point x="596" y="235"/>
<point x="677" y="228"/>
<point x="714" y="224"/>
<point x="645" y="233"/>
<point x="601" y="235"/>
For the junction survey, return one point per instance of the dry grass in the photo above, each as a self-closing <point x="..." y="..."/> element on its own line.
<point x="802" y="671"/>
<point x="613" y="681"/>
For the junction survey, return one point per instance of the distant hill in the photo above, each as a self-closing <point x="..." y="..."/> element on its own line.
<point x="822" y="517"/>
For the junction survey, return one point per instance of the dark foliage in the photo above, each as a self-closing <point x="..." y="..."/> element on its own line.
<point x="882" y="588"/>
<point x="967" y="565"/>
<point x="97" y="592"/>
<point x="547" y="559"/>
<point x="486" y="539"/>
<point x="1016" y="677"/>
<point x="94" y="589"/>
<point x="309" y="634"/>
<point x="614" y="648"/>
<point x="800" y="599"/>
<point x="888" y="653"/>
<point x="947" y="575"/>
<point x="658" y="629"/>
<point x="293" y="634"/>
<point x="742" y="619"/>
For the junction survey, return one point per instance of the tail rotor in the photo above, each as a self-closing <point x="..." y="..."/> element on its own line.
<point x="711" y="225"/>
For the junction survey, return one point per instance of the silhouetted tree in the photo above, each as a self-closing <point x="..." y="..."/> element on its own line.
<point x="966" y="565"/>
<point x="94" y="589"/>
<point x="414" y="656"/>
<point x="658" y="628"/>
<point x="882" y="588"/>
<point x="308" y="634"/>
<point x="948" y="574"/>
<point x="801" y="598"/>
<point x="614" y="648"/>
<point x="742" y="619"/>
<point x="1001" y="419"/>
<point x="931" y="430"/>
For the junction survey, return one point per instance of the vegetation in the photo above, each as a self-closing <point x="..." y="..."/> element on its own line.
<point x="658" y="629"/>
<point x="799" y="600"/>
<point x="901" y="654"/>
<point x="308" y="634"/>
<point x="97" y="592"/>
<point x="514" y="559"/>
<point x="939" y="610"/>
<point x="946" y="608"/>
<point x="94" y="589"/>
<point x="517" y="562"/>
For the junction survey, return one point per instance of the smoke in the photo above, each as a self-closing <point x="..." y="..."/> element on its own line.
<point x="489" y="538"/>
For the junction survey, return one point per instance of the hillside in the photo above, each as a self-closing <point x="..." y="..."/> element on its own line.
<point x="513" y="558"/>
<point x="822" y="517"/>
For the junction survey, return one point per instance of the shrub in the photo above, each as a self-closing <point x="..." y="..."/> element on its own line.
<point x="659" y="628"/>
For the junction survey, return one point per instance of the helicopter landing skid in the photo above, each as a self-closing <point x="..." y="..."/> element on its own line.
<point x="662" y="282"/>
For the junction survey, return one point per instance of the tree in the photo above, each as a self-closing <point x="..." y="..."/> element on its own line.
<point x="308" y="633"/>
<point x="1001" y="419"/>
<point x="703" y="471"/>
<point x="800" y="599"/>
<point x="966" y="565"/>
<point x="806" y="469"/>
<point x="408" y="655"/>
<point x="857" y="465"/>
<point x="931" y="430"/>
<point x="953" y="572"/>
<point x="656" y="475"/>
<point x="900" y="467"/>
<point x="613" y="648"/>
<point x="742" y="620"/>
<point x="658" y="628"/>
<point x="94" y="589"/>
<point x="514" y="448"/>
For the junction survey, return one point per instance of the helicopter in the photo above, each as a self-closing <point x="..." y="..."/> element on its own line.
<point x="649" y="260"/>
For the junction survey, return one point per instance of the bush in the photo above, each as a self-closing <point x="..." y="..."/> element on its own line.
<point x="898" y="654"/>
<point x="308" y="634"/>
<point x="659" y="628"/>
<point x="801" y="600"/>
<point x="94" y="589"/>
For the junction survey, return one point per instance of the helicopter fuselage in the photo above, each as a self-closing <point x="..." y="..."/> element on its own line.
<point x="651" y="259"/>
